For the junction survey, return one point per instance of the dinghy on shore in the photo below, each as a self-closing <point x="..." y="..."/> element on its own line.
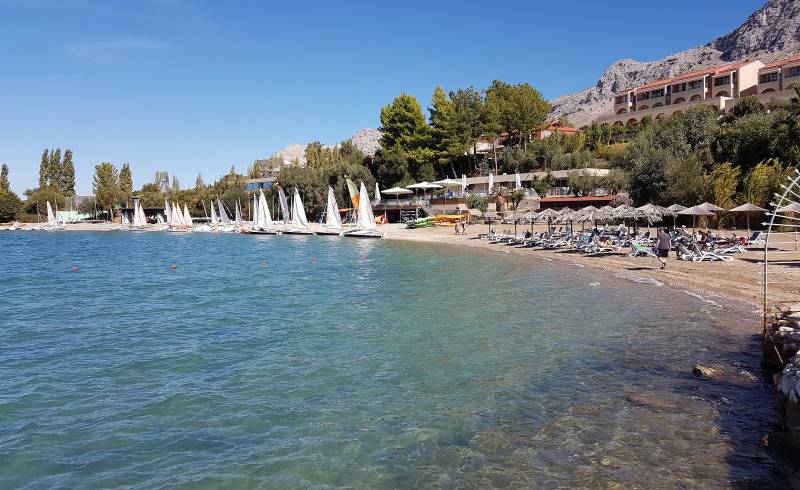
<point x="365" y="224"/>
<point x="262" y="220"/>
<point x="333" y="222"/>
<point x="298" y="224"/>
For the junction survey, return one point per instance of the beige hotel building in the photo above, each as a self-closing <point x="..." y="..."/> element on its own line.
<point x="720" y="87"/>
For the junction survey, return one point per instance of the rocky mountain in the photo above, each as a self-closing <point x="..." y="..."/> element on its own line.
<point x="770" y="33"/>
<point x="367" y="140"/>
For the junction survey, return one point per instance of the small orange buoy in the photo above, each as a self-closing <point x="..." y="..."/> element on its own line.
<point x="75" y="268"/>
<point x="173" y="266"/>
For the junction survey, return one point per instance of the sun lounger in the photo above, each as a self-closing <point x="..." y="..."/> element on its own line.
<point x="701" y="255"/>
<point x="600" y="248"/>
<point x="639" y="250"/>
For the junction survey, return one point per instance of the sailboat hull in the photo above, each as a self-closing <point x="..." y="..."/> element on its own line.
<point x="330" y="232"/>
<point x="364" y="234"/>
<point x="262" y="232"/>
<point x="297" y="231"/>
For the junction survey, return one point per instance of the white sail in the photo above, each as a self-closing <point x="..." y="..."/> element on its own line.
<point x="187" y="218"/>
<point x="167" y="212"/>
<point x="263" y="210"/>
<point x="332" y="219"/>
<point x="51" y="217"/>
<point x="366" y="220"/>
<point x="284" y="206"/>
<point x="214" y="219"/>
<point x="238" y="219"/>
<point x="254" y="215"/>
<point x="177" y="215"/>
<point x="138" y="214"/>
<point x="299" y="219"/>
<point x="223" y="216"/>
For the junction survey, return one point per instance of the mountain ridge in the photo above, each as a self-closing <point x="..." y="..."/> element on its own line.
<point x="768" y="34"/>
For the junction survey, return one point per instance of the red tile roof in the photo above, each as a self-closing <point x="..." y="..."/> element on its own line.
<point x="780" y="63"/>
<point x="688" y="76"/>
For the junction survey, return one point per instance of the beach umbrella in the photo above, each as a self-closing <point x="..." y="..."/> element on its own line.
<point x="711" y="207"/>
<point x="791" y="208"/>
<point x="548" y="215"/>
<point x="491" y="183"/>
<point x="397" y="192"/>
<point x="425" y="186"/>
<point x="674" y="210"/>
<point x="448" y="184"/>
<point x="748" y="208"/>
<point x="518" y="181"/>
<point x="377" y="193"/>
<point x="463" y="184"/>
<point x="694" y="212"/>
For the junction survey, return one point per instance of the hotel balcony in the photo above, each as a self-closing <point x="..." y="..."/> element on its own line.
<point x="719" y="103"/>
<point x="689" y="95"/>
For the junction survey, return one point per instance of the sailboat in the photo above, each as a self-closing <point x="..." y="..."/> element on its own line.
<point x="179" y="221"/>
<point x="227" y="226"/>
<point x="167" y="212"/>
<point x="262" y="219"/>
<point x="52" y="221"/>
<point x="238" y="218"/>
<point x="285" y="215"/>
<point x="298" y="221"/>
<point x="333" y="222"/>
<point x="214" y="219"/>
<point x="365" y="225"/>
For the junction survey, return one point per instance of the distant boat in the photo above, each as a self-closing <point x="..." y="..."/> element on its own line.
<point x="214" y="219"/>
<point x="262" y="219"/>
<point x="52" y="221"/>
<point x="223" y="215"/>
<point x="298" y="222"/>
<point x="365" y="225"/>
<point x="285" y="215"/>
<point x="187" y="218"/>
<point x="333" y="222"/>
<point x="238" y="219"/>
<point x="167" y="212"/>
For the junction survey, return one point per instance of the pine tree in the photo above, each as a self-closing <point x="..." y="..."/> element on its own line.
<point x="106" y="185"/>
<point x="54" y="170"/>
<point x="176" y="185"/>
<point x="4" y="183"/>
<point x="43" y="168"/>
<point x="68" y="174"/>
<point x="125" y="182"/>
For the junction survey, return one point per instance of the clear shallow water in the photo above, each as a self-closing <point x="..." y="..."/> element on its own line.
<point x="296" y="362"/>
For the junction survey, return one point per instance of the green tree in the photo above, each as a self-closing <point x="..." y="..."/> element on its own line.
<point x="467" y="123"/>
<point x="543" y="184"/>
<point x="746" y="105"/>
<point x="54" y="170"/>
<point x="162" y="180"/>
<point x="67" y="181"/>
<point x="406" y="137"/>
<point x="4" y="183"/>
<point x="105" y="185"/>
<point x="37" y="200"/>
<point x="10" y="205"/>
<point x="762" y="182"/>
<point x="722" y="182"/>
<point x="125" y="183"/>
<point x="176" y="184"/>
<point x="44" y="168"/>
<point x="441" y="116"/>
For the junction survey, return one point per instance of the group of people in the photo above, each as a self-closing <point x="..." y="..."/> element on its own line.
<point x="461" y="227"/>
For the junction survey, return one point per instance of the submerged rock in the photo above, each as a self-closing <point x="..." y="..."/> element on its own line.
<point x="707" y="371"/>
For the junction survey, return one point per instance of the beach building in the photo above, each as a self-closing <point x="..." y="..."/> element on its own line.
<point x="719" y="87"/>
<point x="480" y="185"/>
<point x="259" y="183"/>
<point x="153" y="215"/>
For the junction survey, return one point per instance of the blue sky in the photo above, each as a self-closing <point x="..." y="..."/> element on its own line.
<point x="191" y="86"/>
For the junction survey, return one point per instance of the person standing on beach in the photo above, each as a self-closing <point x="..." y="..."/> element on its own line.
<point x="663" y="244"/>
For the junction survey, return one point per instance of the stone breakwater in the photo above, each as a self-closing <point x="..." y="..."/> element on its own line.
<point x="781" y="347"/>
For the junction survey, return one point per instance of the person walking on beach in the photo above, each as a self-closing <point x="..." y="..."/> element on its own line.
<point x="663" y="244"/>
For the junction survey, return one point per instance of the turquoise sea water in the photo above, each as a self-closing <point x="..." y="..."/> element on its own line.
<point x="313" y="362"/>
